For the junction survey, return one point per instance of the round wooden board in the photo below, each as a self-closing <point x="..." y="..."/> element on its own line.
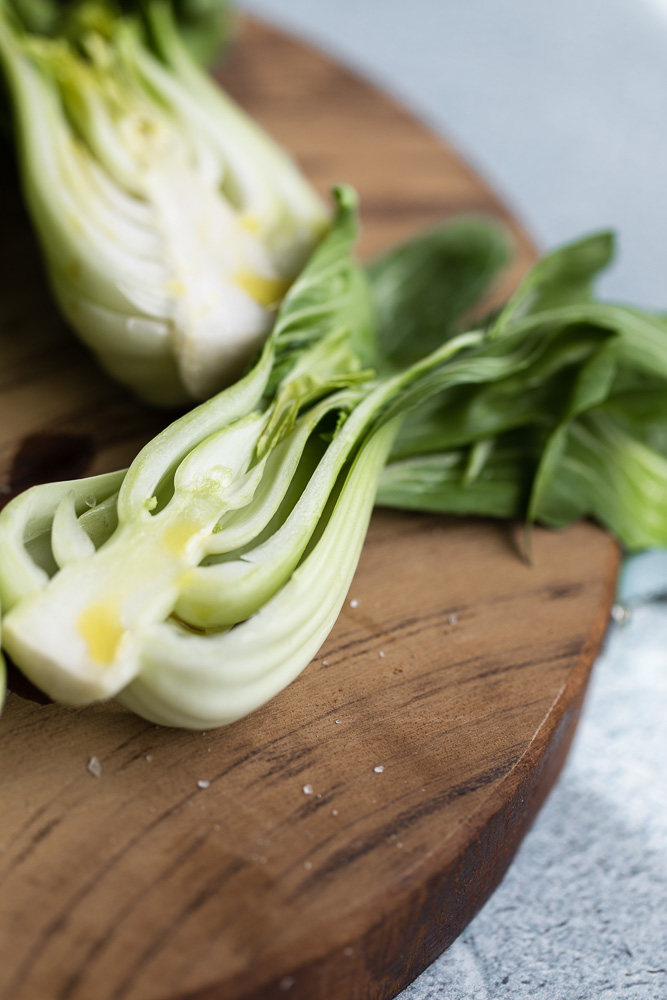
<point x="460" y="672"/>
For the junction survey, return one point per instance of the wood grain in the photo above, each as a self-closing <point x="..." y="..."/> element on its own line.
<point x="460" y="672"/>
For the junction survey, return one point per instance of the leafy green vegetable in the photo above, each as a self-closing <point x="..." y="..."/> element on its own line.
<point x="171" y="226"/>
<point x="207" y="575"/>
<point x="88" y="585"/>
<point x="195" y="585"/>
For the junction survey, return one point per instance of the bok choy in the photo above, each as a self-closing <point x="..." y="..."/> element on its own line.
<point x="198" y="583"/>
<point x="195" y="585"/>
<point x="197" y="492"/>
<point x="170" y="224"/>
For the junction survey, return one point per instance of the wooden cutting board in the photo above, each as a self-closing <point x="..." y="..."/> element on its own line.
<point x="352" y="827"/>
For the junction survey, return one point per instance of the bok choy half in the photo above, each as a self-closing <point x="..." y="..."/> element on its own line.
<point x="195" y="585"/>
<point x="171" y="226"/>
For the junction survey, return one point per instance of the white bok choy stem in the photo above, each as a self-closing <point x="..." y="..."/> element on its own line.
<point x="79" y="635"/>
<point x="170" y="224"/>
<point x="26" y="524"/>
<point x="203" y="681"/>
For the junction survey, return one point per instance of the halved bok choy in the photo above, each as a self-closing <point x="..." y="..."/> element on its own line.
<point x="171" y="226"/>
<point x="217" y="481"/>
<point x="196" y="584"/>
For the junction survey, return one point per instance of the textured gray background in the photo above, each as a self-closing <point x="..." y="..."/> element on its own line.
<point x="563" y="107"/>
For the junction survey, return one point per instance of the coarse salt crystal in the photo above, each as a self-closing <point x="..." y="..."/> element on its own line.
<point x="95" y="767"/>
<point x="203" y="783"/>
<point x="307" y="789"/>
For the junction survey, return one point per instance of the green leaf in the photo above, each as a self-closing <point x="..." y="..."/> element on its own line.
<point x="423" y="288"/>
<point x="561" y="278"/>
<point x="438" y="483"/>
<point x="330" y="299"/>
<point x="608" y="474"/>
<point x="534" y="393"/>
